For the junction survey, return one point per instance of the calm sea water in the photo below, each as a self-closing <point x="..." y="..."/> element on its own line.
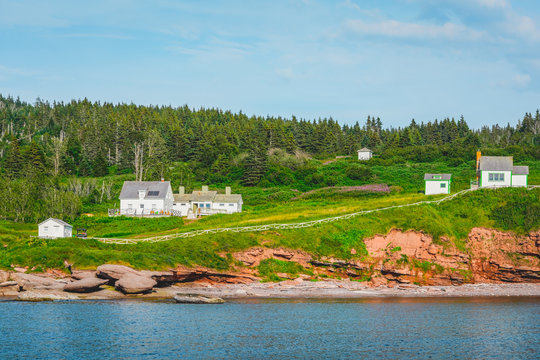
<point x="311" y="329"/>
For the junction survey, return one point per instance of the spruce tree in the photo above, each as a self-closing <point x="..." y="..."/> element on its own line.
<point x="13" y="163"/>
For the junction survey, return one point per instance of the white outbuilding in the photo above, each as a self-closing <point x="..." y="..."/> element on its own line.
<point x="54" y="228"/>
<point x="364" y="154"/>
<point x="437" y="183"/>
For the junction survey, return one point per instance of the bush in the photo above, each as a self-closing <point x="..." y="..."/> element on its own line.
<point x="359" y="172"/>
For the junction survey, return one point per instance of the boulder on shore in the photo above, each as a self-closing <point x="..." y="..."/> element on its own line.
<point x="135" y="284"/>
<point x="197" y="299"/>
<point x="83" y="274"/>
<point x="114" y="272"/>
<point x="85" y="285"/>
<point x="37" y="282"/>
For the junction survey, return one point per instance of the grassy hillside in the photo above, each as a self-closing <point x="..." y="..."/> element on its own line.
<point x="507" y="209"/>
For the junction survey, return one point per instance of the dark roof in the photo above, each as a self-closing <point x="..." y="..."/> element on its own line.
<point x="364" y="150"/>
<point x="496" y="163"/>
<point x="61" y="222"/>
<point x="436" y="176"/>
<point x="130" y="189"/>
<point x="520" y="170"/>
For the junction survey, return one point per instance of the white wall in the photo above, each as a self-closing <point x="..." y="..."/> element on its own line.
<point x="434" y="187"/>
<point x="52" y="229"/>
<point x="182" y="207"/>
<point x="229" y="207"/>
<point x="364" y="155"/>
<point x="519" y="180"/>
<point x="136" y="205"/>
<point x="484" y="178"/>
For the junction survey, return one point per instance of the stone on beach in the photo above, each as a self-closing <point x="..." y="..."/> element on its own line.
<point x="30" y="282"/>
<point x="85" y="285"/>
<point x="82" y="274"/>
<point x="197" y="299"/>
<point x="114" y="272"/>
<point x="37" y="295"/>
<point x="135" y="284"/>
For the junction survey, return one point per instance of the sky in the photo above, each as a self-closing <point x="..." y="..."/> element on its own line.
<point x="345" y="59"/>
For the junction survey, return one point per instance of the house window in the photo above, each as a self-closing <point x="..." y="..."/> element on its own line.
<point x="130" y="206"/>
<point x="208" y="206"/>
<point x="183" y="204"/>
<point x="141" y="206"/>
<point x="221" y="204"/>
<point x="231" y="204"/>
<point x="154" y="206"/>
<point x="443" y="185"/>
<point x="46" y="228"/>
<point x="496" y="176"/>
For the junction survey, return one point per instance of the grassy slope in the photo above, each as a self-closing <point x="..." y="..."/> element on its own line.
<point x="453" y="219"/>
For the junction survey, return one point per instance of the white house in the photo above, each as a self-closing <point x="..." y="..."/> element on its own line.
<point x="206" y="202"/>
<point x="54" y="228"/>
<point x="364" y="154"/>
<point x="499" y="171"/>
<point x="146" y="198"/>
<point x="437" y="183"/>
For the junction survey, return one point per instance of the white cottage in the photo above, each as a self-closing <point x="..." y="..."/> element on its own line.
<point x="364" y="154"/>
<point x="437" y="183"/>
<point x="146" y="198"/>
<point x="206" y="202"/>
<point x="499" y="171"/>
<point x="54" y="228"/>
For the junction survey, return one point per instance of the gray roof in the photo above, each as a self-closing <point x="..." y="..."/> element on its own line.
<point x="520" y="170"/>
<point x="433" y="176"/>
<point x="61" y="222"/>
<point x="182" y="197"/>
<point x="232" y="198"/>
<point x="364" y="150"/>
<point x="496" y="163"/>
<point x="130" y="189"/>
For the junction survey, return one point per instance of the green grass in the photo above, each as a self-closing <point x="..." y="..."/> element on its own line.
<point x="505" y="209"/>
<point x="269" y="269"/>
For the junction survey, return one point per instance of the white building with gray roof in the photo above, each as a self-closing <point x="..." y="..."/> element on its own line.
<point x="499" y="171"/>
<point x="206" y="202"/>
<point x="146" y="198"/>
<point x="437" y="183"/>
<point x="54" y="228"/>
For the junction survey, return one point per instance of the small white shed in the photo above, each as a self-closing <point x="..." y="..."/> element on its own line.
<point x="54" y="228"/>
<point x="437" y="183"/>
<point x="364" y="154"/>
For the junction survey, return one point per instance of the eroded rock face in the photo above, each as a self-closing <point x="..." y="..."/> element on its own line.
<point x="85" y="285"/>
<point x="254" y="255"/>
<point x="184" y="274"/>
<point x="500" y="256"/>
<point x="135" y="284"/>
<point x="4" y="276"/>
<point x="38" y="282"/>
<point x="82" y="274"/>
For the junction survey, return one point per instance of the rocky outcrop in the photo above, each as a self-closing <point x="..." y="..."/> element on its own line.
<point x="162" y="278"/>
<point x="135" y="284"/>
<point x="185" y="274"/>
<point x="83" y="274"/>
<point x="113" y="272"/>
<point x="85" y="285"/>
<point x="254" y="255"/>
<point x="38" y="282"/>
<point x="504" y="257"/>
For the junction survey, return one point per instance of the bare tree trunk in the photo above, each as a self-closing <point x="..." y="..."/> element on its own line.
<point x="139" y="152"/>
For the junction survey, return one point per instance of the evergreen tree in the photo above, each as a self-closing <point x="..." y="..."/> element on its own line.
<point x="13" y="163"/>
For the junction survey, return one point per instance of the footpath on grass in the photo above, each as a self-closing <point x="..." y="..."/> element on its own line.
<point x="256" y="228"/>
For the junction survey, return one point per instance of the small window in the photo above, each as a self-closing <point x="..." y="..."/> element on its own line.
<point x="231" y="204"/>
<point x="207" y="206"/>
<point x="141" y="206"/>
<point x="221" y="204"/>
<point x="491" y="176"/>
<point x="130" y="206"/>
<point x="153" y="193"/>
<point x="56" y="226"/>
<point x="183" y="204"/>
<point x="443" y="185"/>
<point x="45" y="228"/>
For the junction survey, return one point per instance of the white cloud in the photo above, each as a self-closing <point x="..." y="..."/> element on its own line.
<point x="397" y="29"/>
<point x="493" y="3"/>
<point x="521" y="80"/>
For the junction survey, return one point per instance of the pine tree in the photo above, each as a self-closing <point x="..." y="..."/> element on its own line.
<point x="13" y="163"/>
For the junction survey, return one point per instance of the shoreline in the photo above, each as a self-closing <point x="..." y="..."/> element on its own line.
<point x="296" y="290"/>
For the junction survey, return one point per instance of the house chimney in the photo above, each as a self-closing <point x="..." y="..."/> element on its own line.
<point x="228" y="190"/>
<point x="181" y="190"/>
<point x="205" y="188"/>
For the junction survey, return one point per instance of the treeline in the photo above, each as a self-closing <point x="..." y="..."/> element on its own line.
<point x="41" y="142"/>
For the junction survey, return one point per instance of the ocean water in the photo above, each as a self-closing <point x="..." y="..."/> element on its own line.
<point x="499" y="328"/>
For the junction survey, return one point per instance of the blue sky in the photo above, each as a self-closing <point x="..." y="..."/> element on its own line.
<point x="347" y="59"/>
